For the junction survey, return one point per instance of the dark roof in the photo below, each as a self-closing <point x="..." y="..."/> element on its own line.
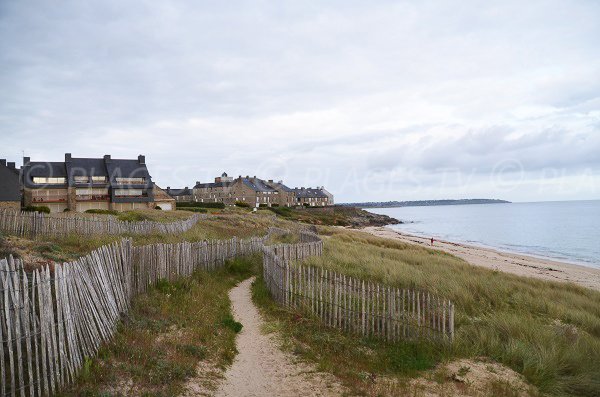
<point x="212" y="185"/>
<point x="257" y="185"/>
<point x="86" y="167"/>
<point x="10" y="189"/>
<point x="47" y="169"/>
<point x="179" y="192"/>
<point x="281" y="186"/>
<point x="308" y="192"/>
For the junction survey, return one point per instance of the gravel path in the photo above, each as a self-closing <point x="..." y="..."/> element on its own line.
<point x="261" y="368"/>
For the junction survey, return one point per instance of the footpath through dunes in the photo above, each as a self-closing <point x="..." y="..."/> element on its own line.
<point x="261" y="368"/>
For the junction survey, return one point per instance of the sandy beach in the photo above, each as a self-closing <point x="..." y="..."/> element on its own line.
<point x="519" y="264"/>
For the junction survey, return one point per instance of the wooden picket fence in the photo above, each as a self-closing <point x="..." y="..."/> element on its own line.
<point x="54" y="318"/>
<point x="347" y="303"/>
<point x="34" y="224"/>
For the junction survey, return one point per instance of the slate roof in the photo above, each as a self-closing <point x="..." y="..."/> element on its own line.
<point x="212" y="185"/>
<point x="308" y="193"/>
<point x="86" y="167"/>
<point x="281" y="186"/>
<point x="47" y="169"/>
<point x="179" y="192"/>
<point x="127" y="169"/>
<point x="258" y="185"/>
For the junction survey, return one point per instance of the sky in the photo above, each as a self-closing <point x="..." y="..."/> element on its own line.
<point x="375" y="100"/>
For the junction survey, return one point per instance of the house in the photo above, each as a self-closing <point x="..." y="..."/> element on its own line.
<point x="81" y="184"/>
<point x="162" y="199"/>
<point x="286" y="198"/>
<point x="311" y="197"/>
<point x="329" y="196"/>
<point x="10" y="189"/>
<point x="251" y="190"/>
<point x="184" y="195"/>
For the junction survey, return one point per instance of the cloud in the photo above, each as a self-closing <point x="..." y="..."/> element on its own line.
<point x="370" y="99"/>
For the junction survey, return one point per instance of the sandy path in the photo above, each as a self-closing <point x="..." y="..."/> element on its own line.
<point x="261" y="368"/>
<point x="521" y="265"/>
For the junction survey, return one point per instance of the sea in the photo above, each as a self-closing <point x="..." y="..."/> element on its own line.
<point x="567" y="231"/>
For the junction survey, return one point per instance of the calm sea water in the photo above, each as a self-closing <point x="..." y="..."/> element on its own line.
<point x="566" y="230"/>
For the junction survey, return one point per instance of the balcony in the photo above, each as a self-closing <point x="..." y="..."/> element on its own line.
<point x="50" y="199"/>
<point x="92" y="197"/>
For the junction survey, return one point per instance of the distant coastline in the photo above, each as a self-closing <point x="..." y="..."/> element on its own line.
<point x="422" y="203"/>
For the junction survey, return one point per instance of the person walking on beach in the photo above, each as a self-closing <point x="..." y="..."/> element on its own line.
<point x="432" y="241"/>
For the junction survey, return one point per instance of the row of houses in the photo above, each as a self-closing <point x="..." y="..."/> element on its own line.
<point x="81" y="184"/>
<point x="253" y="191"/>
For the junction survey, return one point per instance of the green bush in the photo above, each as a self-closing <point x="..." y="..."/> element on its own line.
<point x="103" y="212"/>
<point x="39" y="208"/>
<point x="306" y="205"/>
<point x="193" y="209"/>
<point x="201" y="205"/>
<point x="242" y="204"/>
<point x="263" y="206"/>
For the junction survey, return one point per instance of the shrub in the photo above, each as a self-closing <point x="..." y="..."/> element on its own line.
<point x="158" y="208"/>
<point x="242" y="204"/>
<point x="103" y="212"/>
<point x="306" y="205"/>
<point x="263" y="205"/>
<point x="193" y="209"/>
<point x="40" y="209"/>
<point x="201" y="205"/>
<point x="275" y="205"/>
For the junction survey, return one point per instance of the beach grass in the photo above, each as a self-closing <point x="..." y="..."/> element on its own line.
<point x="168" y="332"/>
<point x="547" y="331"/>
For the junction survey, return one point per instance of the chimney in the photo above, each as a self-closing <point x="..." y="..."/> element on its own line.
<point x="3" y="162"/>
<point x="271" y="180"/>
<point x="107" y="158"/>
<point x="142" y="159"/>
<point x="11" y="165"/>
<point x="26" y="160"/>
<point x="186" y="188"/>
<point x="67" y="157"/>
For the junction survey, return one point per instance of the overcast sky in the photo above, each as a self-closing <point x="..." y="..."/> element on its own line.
<point x="376" y="100"/>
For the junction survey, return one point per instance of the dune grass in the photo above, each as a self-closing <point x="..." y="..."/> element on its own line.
<point x="547" y="331"/>
<point x="169" y="330"/>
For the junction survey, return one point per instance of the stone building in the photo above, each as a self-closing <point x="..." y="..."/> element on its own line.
<point x="184" y="195"/>
<point x="10" y="189"/>
<point x="80" y="184"/>
<point x="251" y="190"/>
<point x="311" y="197"/>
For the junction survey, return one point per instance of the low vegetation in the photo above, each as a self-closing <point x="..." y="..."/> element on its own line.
<point x="201" y="205"/>
<point x="168" y="332"/>
<point x="333" y="216"/>
<point x="549" y="332"/>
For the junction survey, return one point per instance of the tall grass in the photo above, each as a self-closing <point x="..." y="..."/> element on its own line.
<point x="548" y="331"/>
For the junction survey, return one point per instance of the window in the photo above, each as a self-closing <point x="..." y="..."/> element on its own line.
<point x="129" y="192"/>
<point x="131" y="181"/>
<point x="81" y="179"/>
<point x="99" y="179"/>
<point x="49" y="181"/>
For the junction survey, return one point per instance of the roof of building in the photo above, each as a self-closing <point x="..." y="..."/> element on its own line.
<point x="212" y="185"/>
<point x="86" y="167"/>
<point x="281" y="186"/>
<point x="10" y="189"/>
<point x="257" y="185"/>
<point x="179" y="192"/>
<point x="47" y="169"/>
<point x="309" y="193"/>
<point x="160" y="194"/>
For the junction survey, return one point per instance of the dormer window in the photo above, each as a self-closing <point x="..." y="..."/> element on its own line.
<point x="49" y="181"/>
<point x="131" y="181"/>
